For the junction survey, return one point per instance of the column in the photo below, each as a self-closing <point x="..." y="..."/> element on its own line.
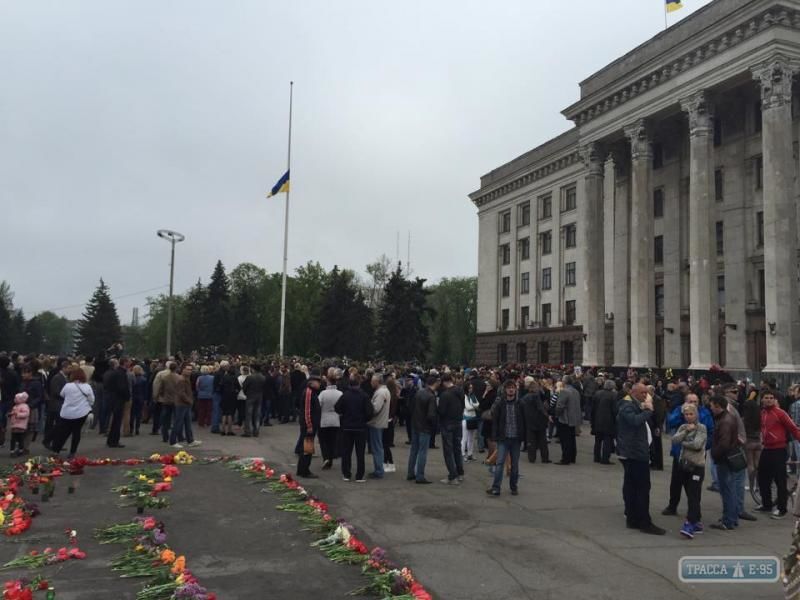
<point x="780" y="218"/>
<point x="643" y="302"/>
<point x="591" y="225"/>
<point x="609" y="192"/>
<point x="621" y="306"/>
<point x="672" y="271"/>
<point x="703" y="313"/>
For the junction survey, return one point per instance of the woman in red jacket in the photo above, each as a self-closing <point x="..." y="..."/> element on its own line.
<point x="776" y="427"/>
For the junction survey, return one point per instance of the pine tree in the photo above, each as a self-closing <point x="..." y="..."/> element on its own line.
<point x="217" y="317"/>
<point x="99" y="325"/>
<point x="6" y="309"/>
<point x="402" y="324"/>
<point x="191" y="328"/>
<point x="345" y="320"/>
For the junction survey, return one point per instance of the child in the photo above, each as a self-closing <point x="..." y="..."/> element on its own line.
<point x="18" y="423"/>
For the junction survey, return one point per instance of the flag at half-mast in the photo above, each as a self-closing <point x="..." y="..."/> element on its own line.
<point x="674" y="5"/>
<point x="281" y="186"/>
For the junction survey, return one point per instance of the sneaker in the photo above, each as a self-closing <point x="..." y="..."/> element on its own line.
<point x="763" y="509"/>
<point x="177" y="445"/>
<point x="423" y="481"/>
<point x="746" y="516"/>
<point x="778" y="514"/>
<point x="195" y="443"/>
<point x="653" y="529"/>
<point x="712" y="488"/>
<point x="447" y="481"/>
<point x="389" y="468"/>
<point x="669" y="511"/>
<point x="515" y="492"/>
<point x="460" y="478"/>
<point x="721" y="526"/>
<point x="493" y="492"/>
<point x="687" y="530"/>
<point x="345" y="479"/>
<point x="698" y="528"/>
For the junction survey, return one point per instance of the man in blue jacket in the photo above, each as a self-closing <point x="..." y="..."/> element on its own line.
<point x="633" y="449"/>
<point x="675" y="420"/>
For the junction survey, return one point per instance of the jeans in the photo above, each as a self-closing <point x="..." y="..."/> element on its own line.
<point x="739" y="480"/>
<point x="266" y="407"/>
<point x="351" y="439"/>
<point x="418" y="455"/>
<point x="636" y="492"/>
<point x="136" y="415"/>
<point x="727" y="489"/>
<point x="216" y="411"/>
<point x="504" y="447"/>
<point x="714" y="477"/>
<point x="252" y="418"/>
<point x="182" y="423"/>
<point x="376" y="444"/>
<point x="451" y="448"/>
<point x="166" y="421"/>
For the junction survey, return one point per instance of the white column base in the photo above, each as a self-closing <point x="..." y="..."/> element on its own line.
<point x="700" y="367"/>
<point x="781" y="368"/>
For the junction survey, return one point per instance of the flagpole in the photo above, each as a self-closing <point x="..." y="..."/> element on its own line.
<point x="286" y="223"/>
<point x="666" y="26"/>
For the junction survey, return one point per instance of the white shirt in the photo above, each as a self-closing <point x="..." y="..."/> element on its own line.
<point x="78" y="400"/>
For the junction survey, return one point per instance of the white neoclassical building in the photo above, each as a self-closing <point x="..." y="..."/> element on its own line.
<point x="662" y="230"/>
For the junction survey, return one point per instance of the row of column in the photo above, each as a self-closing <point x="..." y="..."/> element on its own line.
<point x="633" y="297"/>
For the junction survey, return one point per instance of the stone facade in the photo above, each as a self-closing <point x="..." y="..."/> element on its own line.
<point x="662" y="230"/>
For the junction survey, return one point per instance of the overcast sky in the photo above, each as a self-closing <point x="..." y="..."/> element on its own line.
<point x="118" y="118"/>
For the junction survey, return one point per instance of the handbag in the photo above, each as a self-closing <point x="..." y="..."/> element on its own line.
<point x="308" y="446"/>
<point x="472" y="423"/>
<point x="736" y="460"/>
<point x="686" y="465"/>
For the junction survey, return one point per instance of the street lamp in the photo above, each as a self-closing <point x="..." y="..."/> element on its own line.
<point x="173" y="237"/>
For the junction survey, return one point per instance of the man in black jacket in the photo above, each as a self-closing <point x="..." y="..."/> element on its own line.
<point x="118" y="392"/>
<point x="54" y="400"/>
<point x="423" y="419"/>
<point x="508" y="430"/>
<point x="309" y="418"/>
<point x="604" y="417"/>
<point x="536" y="420"/>
<point x="355" y="409"/>
<point x="451" y="413"/>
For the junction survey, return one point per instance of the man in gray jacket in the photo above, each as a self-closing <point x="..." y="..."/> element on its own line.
<point x="568" y="412"/>
<point x="381" y="401"/>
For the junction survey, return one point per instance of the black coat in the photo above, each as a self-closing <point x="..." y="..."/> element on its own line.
<point x="355" y="409"/>
<point x="604" y="412"/>
<point x="451" y="405"/>
<point x="535" y="411"/>
<point x="310" y="411"/>
<point x="499" y="419"/>
<point x="423" y="411"/>
<point x="117" y="386"/>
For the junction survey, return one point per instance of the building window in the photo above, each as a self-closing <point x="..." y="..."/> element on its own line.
<point x="524" y="214"/>
<point x="567" y="352"/>
<point x="570" y="312"/>
<point x="658" y="155"/>
<point x="505" y="221"/>
<point x="522" y="352"/>
<point x="570" y="198"/>
<point x="506" y="287"/>
<point x="547" y="242"/>
<point x="762" y="289"/>
<point x="525" y="283"/>
<point x="720" y="239"/>
<point x="504" y="319"/>
<point x="546" y="315"/>
<point x="547" y="280"/>
<point x="759" y="171"/>
<point x="659" y="300"/>
<point x="757" y="117"/>
<point x="525" y="248"/>
<point x="505" y="254"/>
<point x="721" y="291"/>
<point x="719" y="185"/>
<point x="658" y="203"/>
<point x="545" y="206"/>
<point x="569" y="274"/>
<point x="717" y="122"/>
<point x="525" y="316"/>
<point x="502" y="353"/>
<point x="544" y="355"/>
<point x="760" y="229"/>
<point x="571" y="235"/>
<point x="658" y="247"/>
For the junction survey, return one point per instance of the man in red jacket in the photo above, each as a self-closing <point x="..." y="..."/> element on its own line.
<point x="776" y="427"/>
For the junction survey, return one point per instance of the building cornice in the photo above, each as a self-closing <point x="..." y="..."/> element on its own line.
<point x="588" y="109"/>
<point x="481" y="198"/>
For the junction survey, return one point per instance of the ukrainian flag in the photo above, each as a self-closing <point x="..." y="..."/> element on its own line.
<point x="673" y="5"/>
<point x="281" y="186"/>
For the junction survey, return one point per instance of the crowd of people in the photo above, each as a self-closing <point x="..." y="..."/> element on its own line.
<point x="741" y="434"/>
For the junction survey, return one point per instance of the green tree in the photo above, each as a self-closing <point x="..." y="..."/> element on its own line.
<point x="34" y="336"/>
<point x="303" y="302"/>
<point x="403" y="319"/>
<point x="218" y="311"/>
<point x="454" y="325"/>
<point x="99" y="325"/>
<point x="190" y="327"/>
<point x="6" y="310"/>
<point x="345" y="320"/>
<point x="55" y="333"/>
<point x="154" y="330"/>
<point x="246" y="335"/>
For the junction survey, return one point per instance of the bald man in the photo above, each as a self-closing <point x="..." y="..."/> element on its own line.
<point x="633" y="449"/>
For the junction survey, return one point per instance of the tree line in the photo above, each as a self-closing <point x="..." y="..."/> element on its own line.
<point x="390" y="315"/>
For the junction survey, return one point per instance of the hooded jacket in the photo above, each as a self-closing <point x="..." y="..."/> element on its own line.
<point x="776" y="427"/>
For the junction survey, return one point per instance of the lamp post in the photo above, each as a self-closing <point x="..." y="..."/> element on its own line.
<point x="173" y="237"/>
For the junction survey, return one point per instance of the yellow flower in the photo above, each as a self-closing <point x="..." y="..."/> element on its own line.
<point x="142" y="478"/>
<point x="155" y="456"/>
<point x="2" y="518"/>
<point x="139" y="548"/>
<point x="151" y="481"/>
<point x="180" y="579"/>
<point x="167" y="479"/>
